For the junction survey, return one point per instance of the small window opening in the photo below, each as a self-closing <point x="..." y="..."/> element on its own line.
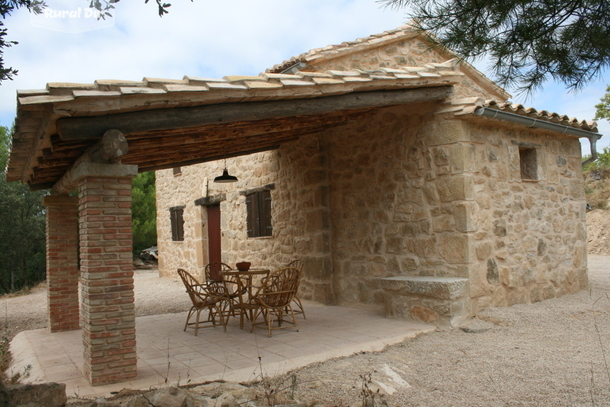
<point x="528" y="158"/>
<point x="177" y="171"/>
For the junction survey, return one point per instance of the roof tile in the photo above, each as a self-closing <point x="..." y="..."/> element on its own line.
<point x="327" y="81"/>
<point x="131" y="90"/>
<point x="33" y="100"/>
<point x="199" y="79"/>
<point x="277" y="76"/>
<point x="117" y="82"/>
<point x="304" y="74"/>
<point x="296" y="82"/>
<point x="185" y="88"/>
<point x="236" y="78"/>
<point x="262" y="85"/>
<point x="95" y="93"/>
<point x="224" y="85"/>
<point x="357" y="79"/>
<point x="344" y="73"/>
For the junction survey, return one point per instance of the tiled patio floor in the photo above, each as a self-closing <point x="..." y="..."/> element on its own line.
<point x="167" y="354"/>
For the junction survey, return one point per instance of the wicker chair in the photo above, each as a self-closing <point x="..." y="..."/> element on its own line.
<point x="210" y="297"/>
<point x="272" y="300"/>
<point x="298" y="309"/>
<point x="213" y="275"/>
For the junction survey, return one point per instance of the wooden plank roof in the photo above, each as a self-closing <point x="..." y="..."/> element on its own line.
<point x="253" y="113"/>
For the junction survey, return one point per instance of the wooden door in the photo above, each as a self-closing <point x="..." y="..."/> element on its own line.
<point x="214" y="248"/>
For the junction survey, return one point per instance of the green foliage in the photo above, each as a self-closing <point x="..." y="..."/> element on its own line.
<point x="603" y="108"/>
<point x="144" y="211"/>
<point x="22" y="230"/>
<point x="528" y="42"/>
<point x="603" y="160"/>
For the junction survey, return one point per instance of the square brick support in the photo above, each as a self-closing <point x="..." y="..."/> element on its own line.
<point x="107" y="291"/>
<point x="62" y="263"/>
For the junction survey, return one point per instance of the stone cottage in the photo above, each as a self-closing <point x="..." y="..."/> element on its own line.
<point x="401" y="177"/>
<point x="435" y="208"/>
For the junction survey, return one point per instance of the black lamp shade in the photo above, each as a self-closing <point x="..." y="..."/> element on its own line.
<point x="225" y="177"/>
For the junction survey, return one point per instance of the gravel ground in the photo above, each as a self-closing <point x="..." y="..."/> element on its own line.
<point x="552" y="353"/>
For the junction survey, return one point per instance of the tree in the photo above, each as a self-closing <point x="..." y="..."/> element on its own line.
<point x="528" y="42"/>
<point x="603" y="108"/>
<point x="144" y="211"/>
<point x="22" y="230"/>
<point x="37" y="6"/>
<point x="6" y="7"/>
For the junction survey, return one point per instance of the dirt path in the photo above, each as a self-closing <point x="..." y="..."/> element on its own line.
<point x="551" y="353"/>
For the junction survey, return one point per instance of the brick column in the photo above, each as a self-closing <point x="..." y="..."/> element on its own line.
<point x="108" y="313"/>
<point x="62" y="262"/>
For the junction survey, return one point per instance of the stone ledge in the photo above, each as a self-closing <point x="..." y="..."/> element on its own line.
<point x="436" y="287"/>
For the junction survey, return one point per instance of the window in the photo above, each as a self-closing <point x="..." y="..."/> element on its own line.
<point x="175" y="215"/>
<point x="177" y="171"/>
<point x="258" y="205"/>
<point x="528" y="158"/>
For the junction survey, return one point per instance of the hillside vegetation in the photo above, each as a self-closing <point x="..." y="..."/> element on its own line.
<point x="597" y="190"/>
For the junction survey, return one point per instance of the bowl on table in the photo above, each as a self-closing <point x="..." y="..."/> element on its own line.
<point x="243" y="265"/>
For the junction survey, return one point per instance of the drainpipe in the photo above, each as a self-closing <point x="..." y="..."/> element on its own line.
<point x="592" y="141"/>
<point x="541" y="124"/>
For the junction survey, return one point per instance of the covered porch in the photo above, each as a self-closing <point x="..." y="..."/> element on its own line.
<point x="167" y="355"/>
<point x="95" y="138"/>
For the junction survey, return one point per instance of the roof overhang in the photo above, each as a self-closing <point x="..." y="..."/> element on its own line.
<point x="168" y="123"/>
<point x="480" y="110"/>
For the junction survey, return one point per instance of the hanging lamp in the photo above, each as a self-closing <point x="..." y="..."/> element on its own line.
<point x="225" y="177"/>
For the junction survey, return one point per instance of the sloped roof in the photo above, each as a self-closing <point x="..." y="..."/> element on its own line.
<point x="402" y="33"/>
<point x="170" y="122"/>
<point x="470" y="106"/>
<point x="42" y="151"/>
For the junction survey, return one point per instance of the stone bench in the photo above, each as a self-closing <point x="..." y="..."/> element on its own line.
<point x="438" y="300"/>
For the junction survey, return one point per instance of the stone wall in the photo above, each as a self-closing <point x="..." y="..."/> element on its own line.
<point x="299" y="214"/>
<point x="528" y="236"/>
<point x="397" y="200"/>
<point x="398" y="192"/>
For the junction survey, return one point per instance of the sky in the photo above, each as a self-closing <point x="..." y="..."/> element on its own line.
<point x="211" y="39"/>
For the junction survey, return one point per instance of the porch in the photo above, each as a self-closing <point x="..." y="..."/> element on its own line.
<point x="168" y="355"/>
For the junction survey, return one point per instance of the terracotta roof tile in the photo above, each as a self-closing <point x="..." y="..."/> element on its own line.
<point x="469" y="106"/>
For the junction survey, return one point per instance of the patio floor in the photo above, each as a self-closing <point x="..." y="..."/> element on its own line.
<point x="168" y="355"/>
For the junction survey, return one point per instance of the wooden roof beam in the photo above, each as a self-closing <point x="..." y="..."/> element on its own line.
<point x="83" y="128"/>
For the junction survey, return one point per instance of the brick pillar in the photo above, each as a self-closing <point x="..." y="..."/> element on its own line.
<point x="62" y="262"/>
<point x="108" y="313"/>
